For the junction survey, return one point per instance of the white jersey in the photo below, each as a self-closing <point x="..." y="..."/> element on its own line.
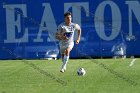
<point x="68" y="30"/>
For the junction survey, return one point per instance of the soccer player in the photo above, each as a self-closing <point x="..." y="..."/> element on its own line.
<point x="65" y="35"/>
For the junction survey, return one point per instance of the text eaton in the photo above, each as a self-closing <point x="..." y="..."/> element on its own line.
<point x="14" y="20"/>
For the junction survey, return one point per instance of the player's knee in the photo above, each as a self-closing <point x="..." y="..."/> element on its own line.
<point x="68" y="52"/>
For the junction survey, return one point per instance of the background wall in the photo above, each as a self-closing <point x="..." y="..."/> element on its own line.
<point x="109" y="28"/>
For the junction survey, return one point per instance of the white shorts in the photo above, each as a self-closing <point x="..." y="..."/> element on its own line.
<point x="63" y="47"/>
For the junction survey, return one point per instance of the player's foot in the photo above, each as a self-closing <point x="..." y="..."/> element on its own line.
<point x="62" y="70"/>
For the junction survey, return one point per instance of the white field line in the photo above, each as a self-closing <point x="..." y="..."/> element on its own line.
<point x="132" y="62"/>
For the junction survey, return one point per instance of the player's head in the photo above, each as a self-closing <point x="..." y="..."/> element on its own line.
<point x="68" y="17"/>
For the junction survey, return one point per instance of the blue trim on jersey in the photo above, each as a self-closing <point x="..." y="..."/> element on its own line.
<point x="68" y="34"/>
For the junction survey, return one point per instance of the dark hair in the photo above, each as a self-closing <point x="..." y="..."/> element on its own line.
<point x="67" y="13"/>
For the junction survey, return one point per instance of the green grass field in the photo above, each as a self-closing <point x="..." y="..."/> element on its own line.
<point x="43" y="76"/>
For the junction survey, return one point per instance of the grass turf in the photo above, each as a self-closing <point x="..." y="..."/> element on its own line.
<point x="43" y="76"/>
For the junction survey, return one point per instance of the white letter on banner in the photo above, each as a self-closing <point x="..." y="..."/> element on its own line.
<point x="51" y="26"/>
<point x="13" y="23"/>
<point x="134" y="8"/>
<point x="99" y="20"/>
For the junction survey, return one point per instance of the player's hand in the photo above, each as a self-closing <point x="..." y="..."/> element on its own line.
<point x="77" y="41"/>
<point x="65" y="38"/>
<point x="58" y="36"/>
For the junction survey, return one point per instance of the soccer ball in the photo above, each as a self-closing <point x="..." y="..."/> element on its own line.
<point x="81" y="72"/>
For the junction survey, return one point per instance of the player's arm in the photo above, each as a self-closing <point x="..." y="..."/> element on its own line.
<point x="60" y="34"/>
<point x="79" y="33"/>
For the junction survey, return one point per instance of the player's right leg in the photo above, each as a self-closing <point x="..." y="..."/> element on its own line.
<point x="65" y="49"/>
<point x="62" y="68"/>
<point x="67" y="53"/>
<point x="62" y="56"/>
<point x="62" y="50"/>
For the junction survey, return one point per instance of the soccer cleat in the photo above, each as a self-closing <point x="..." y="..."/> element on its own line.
<point x="62" y="70"/>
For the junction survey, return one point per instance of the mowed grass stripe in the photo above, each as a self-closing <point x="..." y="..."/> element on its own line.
<point x="16" y="76"/>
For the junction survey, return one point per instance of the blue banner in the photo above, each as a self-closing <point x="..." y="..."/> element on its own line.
<point x="109" y="28"/>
